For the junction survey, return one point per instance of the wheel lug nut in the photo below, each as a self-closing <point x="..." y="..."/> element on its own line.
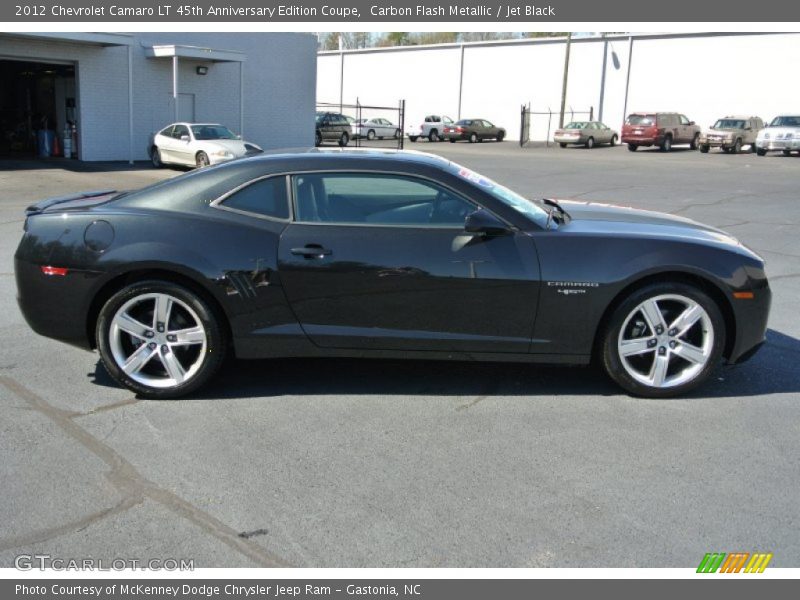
<point x="152" y="345"/>
<point x="160" y="328"/>
<point x="673" y="344"/>
<point x="662" y="351"/>
<point x="651" y="343"/>
<point x="673" y="332"/>
<point x="148" y="334"/>
<point x="659" y="330"/>
<point x="164" y="348"/>
<point x="172" y="338"/>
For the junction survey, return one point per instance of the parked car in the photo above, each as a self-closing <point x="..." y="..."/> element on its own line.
<point x="783" y="133"/>
<point x="418" y="258"/>
<point x="585" y="133"/>
<point x="431" y="128"/>
<point x="333" y="127"/>
<point x="662" y="129"/>
<point x="474" y="130"/>
<point x="375" y="128"/>
<point x="197" y="145"/>
<point x="730" y="134"/>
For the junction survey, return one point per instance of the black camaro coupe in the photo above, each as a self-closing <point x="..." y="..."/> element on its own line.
<point x="382" y="254"/>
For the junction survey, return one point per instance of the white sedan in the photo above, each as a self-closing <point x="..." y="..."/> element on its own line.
<point x="198" y="145"/>
<point x="375" y="128"/>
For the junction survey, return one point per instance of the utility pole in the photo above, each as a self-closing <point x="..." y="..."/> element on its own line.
<point x="564" y="84"/>
<point x="603" y="78"/>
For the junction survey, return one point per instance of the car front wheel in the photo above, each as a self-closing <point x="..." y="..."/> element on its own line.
<point x="344" y="140"/>
<point x="201" y="160"/>
<point x="159" y="339"/>
<point x="663" y="340"/>
<point x="473" y="138"/>
<point x="155" y="157"/>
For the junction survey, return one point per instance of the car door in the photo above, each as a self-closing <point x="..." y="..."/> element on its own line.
<point x="603" y="133"/>
<point x="182" y="145"/>
<point x="167" y="144"/>
<point x="686" y="130"/>
<point x="381" y="261"/>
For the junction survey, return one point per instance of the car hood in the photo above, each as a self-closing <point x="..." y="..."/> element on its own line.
<point x="237" y="147"/>
<point x="608" y="219"/>
<point x="777" y="132"/>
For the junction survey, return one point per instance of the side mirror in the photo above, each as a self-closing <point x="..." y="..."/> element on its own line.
<point x="482" y="222"/>
<point x="184" y="138"/>
<point x="691" y="122"/>
<point x="238" y="136"/>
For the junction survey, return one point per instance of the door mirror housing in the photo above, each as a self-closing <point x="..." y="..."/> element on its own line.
<point x="184" y="138"/>
<point x="482" y="222"/>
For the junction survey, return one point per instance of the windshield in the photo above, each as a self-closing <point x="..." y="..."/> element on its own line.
<point x="510" y="198"/>
<point x="729" y="124"/>
<point x="645" y="120"/>
<point x="212" y="132"/>
<point x="785" y="122"/>
<point x="576" y="125"/>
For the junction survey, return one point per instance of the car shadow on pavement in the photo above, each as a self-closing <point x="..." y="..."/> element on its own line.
<point x="67" y="164"/>
<point x="774" y="369"/>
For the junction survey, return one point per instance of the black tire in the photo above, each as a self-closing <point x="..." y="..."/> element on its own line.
<point x="212" y="358"/>
<point x="155" y="157"/>
<point x="562" y="144"/>
<point x="344" y="140"/>
<point x="501" y="136"/>
<point x="612" y="362"/>
<point x="786" y="152"/>
<point x="632" y="147"/>
<point x="705" y="148"/>
<point x="370" y="135"/>
<point x="473" y="137"/>
<point x="433" y="136"/>
<point x="695" y="142"/>
<point x="201" y="160"/>
<point x="317" y="139"/>
<point x="666" y="145"/>
<point x="589" y="143"/>
<point x="761" y="151"/>
<point x="737" y="146"/>
<point x="396" y="134"/>
<point x="614" y="140"/>
<point x="413" y="138"/>
<point x="452" y="140"/>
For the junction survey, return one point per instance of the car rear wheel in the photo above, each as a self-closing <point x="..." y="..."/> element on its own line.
<point x="695" y="141"/>
<point x="590" y="143"/>
<point x="413" y="138"/>
<point x="433" y="136"/>
<point x="761" y="151"/>
<point x="632" y="147"/>
<point x="705" y="148"/>
<point x="317" y="139"/>
<point x="663" y="340"/>
<point x="371" y="134"/>
<point x="155" y="157"/>
<point x="159" y="339"/>
<point x="666" y="145"/>
<point x="344" y="140"/>
<point x="786" y="152"/>
<point x="452" y="141"/>
<point x="201" y="160"/>
<point x="396" y="133"/>
<point x="562" y="144"/>
<point x="473" y="138"/>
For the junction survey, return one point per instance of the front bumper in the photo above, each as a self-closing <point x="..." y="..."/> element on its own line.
<point x="751" y="324"/>
<point x="791" y="144"/>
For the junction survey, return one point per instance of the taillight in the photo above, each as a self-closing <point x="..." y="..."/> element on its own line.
<point x="460" y="129"/>
<point x="60" y="271"/>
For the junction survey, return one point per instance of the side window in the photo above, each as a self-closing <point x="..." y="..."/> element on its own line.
<point x="684" y="120"/>
<point x="180" y="130"/>
<point x="265" y="197"/>
<point x="376" y="199"/>
<point x="167" y="131"/>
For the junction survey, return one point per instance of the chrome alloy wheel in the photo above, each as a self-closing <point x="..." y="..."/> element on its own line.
<point x="157" y="340"/>
<point x="666" y="341"/>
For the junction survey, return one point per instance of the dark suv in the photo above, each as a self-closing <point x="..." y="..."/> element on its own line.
<point x="332" y="127"/>
<point x="661" y="129"/>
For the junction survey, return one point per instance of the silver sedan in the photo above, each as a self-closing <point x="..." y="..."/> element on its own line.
<point x="586" y="133"/>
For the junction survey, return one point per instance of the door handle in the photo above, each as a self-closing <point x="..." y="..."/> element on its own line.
<point x="311" y="251"/>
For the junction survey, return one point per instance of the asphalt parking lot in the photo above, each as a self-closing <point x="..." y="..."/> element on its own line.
<point x="354" y="463"/>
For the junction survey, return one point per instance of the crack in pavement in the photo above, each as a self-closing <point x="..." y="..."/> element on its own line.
<point x="107" y="407"/>
<point x="705" y="204"/>
<point x="44" y="535"/>
<point x="134" y="486"/>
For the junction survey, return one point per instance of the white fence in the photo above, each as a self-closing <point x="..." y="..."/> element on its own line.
<point x="703" y="75"/>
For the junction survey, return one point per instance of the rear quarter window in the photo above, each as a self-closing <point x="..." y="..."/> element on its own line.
<point x="266" y="197"/>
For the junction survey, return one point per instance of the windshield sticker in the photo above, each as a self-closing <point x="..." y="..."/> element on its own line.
<point x="476" y="178"/>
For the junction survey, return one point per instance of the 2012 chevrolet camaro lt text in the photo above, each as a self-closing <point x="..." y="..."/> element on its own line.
<point x="382" y="254"/>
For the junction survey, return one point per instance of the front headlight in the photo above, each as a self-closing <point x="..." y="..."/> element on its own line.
<point x="222" y="154"/>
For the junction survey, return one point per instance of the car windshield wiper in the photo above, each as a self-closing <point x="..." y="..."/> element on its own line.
<point x="555" y="213"/>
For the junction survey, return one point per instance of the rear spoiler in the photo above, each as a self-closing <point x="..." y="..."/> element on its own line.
<point x="43" y="205"/>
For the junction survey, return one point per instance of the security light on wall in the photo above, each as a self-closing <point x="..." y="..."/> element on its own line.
<point x="202" y="70"/>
